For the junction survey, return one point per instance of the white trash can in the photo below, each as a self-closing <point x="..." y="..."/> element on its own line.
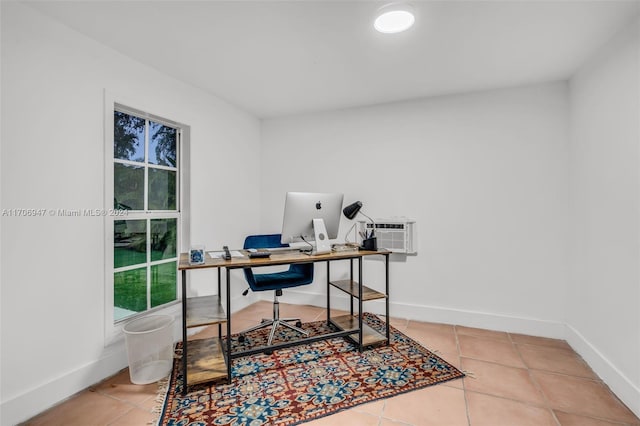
<point x="149" y="348"/>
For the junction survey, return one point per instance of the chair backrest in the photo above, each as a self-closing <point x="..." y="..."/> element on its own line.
<point x="303" y="273"/>
<point x="263" y="241"/>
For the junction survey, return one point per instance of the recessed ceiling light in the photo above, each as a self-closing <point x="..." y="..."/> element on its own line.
<point x="394" y="18"/>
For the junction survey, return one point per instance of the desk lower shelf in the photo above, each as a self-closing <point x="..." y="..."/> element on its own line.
<point x="204" y="310"/>
<point x="205" y="361"/>
<point x="351" y="287"/>
<point x="369" y="335"/>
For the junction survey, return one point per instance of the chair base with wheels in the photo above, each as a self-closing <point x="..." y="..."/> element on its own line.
<point x="275" y="322"/>
<point x="296" y="275"/>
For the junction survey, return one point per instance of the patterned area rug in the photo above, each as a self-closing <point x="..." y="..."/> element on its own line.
<point x="302" y="383"/>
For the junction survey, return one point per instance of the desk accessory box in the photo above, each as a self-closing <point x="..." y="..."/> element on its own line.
<point x="348" y="247"/>
<point x="370" y="243"/>
<point x="196" y="255"/>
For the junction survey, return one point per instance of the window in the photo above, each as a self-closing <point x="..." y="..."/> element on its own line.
<point x="145" y="187"/>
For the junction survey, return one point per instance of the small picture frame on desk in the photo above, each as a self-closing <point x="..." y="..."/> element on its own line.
<point x="196" y="255"/>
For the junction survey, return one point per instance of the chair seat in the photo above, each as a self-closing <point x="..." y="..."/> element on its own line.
<point x="278" y="280"/>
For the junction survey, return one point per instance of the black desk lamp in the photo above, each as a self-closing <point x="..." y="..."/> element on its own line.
<point x="369" y="241"/>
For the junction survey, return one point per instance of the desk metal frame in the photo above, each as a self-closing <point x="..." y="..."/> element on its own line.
<point x="283" y="258"/>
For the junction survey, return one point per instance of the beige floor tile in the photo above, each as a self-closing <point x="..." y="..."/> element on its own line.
<point x="135" y="417"/>
<point x="306" y="313"/>
<point x="502" y="381"/>
<point x="582" y="396"/>
<point x="120" y="387"/>
<point x="540" y="341"/>
<point x="346" y="418"/>
<point x="373" y="408"/>
<point x="567" y="419"/>
<point x="399" y="323"/>
<point x="558" y="360"/>
<point x="428" y="331"/>
<point x="432" y="406"/>
<point x="430" y="327"/>
<point x="334" y="313"/>
<point x="88" y="408"/>
<point x="486" y="410"/>
<point x="151" y="403"/>
<point x="487" y="349"/>
<point x="437" y="342"/>
<point x="256" y="310"/>
<point x="202" y="332"/>
<point x="479" y="332"/>
<point x="241" y="324"/>
<point x="387" y="422"/>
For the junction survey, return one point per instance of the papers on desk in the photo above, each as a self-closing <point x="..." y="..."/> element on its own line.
<point x="220" y="254"/>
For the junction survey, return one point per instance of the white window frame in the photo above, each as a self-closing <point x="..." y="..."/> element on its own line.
<point x="113" y="330"/>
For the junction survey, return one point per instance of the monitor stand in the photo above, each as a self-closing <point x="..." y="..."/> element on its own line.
<point x="322" y="239"/>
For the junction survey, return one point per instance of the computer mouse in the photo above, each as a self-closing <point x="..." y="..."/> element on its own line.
<point x="252" y="250"/>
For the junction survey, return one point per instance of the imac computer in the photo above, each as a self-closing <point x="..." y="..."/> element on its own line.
<point x="312" y="216"/>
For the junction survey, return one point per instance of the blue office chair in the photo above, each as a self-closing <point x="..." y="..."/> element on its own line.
<point x="295" y="276"/>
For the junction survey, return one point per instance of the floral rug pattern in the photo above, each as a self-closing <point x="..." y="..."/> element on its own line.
<point x="294" y="385"/>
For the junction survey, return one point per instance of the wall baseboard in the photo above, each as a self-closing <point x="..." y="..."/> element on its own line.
<point x="32" y="402"/>
<point x="620" y="385"/>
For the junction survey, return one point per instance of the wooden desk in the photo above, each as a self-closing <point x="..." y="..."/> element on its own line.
<point x="208" y="360"/>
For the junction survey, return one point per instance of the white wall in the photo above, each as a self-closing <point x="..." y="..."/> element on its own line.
<point x="52" y="157"/>
<point x="484" y="175"/>
<point x="603" y="311"/>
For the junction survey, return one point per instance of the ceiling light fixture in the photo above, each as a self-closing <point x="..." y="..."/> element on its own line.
<point x="394" y="18"/>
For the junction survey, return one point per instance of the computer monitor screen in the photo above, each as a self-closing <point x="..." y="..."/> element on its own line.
<point x="301" y="208"/>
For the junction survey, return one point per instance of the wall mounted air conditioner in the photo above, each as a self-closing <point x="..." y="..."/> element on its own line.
<point x="398" y="235"/>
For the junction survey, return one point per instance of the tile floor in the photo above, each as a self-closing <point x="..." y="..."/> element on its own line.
<point x="515" y="380"/>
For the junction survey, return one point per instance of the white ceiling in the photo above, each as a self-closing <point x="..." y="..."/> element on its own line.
<point x="279" y="58"/>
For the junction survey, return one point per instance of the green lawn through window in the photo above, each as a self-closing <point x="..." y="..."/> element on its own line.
<point x="130" y="287"/>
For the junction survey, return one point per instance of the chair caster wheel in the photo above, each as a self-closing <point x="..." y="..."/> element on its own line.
<point x="241" y="338"/>
<point x="299" y="324"/>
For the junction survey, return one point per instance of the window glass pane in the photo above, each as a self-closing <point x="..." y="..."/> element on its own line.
<point x="129" y="242"/>
<point x="162" y="144"/>
<point x="128" y="187"/>
<point x="162" y="189"/>
<point x="163" y="283"/>
<point x="129" y="292"/>
<point x="128" y="137"/>
<point x="163" y="238"/>
<point x="143" y="187"/>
